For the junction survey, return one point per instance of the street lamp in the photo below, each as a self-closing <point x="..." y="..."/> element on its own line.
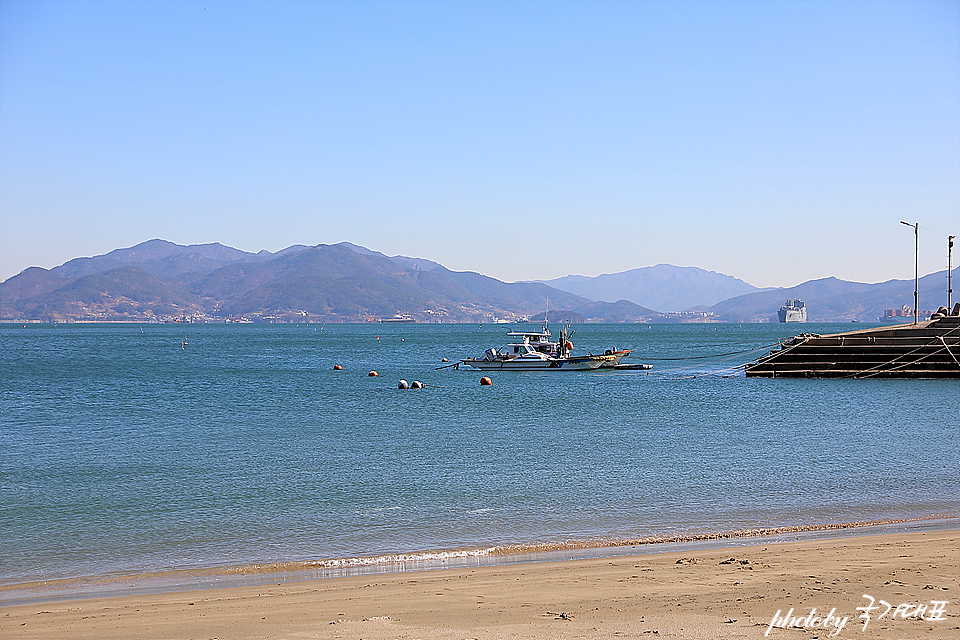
<point x="916" y="270"/>
<point x="950" y="271"/>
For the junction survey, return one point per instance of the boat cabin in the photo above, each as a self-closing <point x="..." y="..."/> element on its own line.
<point x="521" y="349"/>
<point x="538" y="340"/>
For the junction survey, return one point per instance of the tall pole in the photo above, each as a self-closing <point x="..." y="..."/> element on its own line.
<point x="950" y="272"/>
<point x="916" y="270"/>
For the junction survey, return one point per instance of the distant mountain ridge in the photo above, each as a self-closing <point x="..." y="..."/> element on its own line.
<point x="159" y="257"/>
<point x="663" y="287"/>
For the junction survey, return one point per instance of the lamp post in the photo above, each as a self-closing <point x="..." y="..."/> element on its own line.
<point x="916" y="270"/>
<point x="950" y="271"/>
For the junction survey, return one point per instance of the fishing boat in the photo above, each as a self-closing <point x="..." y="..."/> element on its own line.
<point x="535" y="351"/>
<point x="541" y="341"/>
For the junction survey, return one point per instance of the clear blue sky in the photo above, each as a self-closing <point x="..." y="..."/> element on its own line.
<point x="773" y="141"/>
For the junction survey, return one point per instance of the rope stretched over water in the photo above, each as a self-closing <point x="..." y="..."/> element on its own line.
<point x="718" y="355"/>
<point x="712" y="373"/>
<point x="744" y="365"/>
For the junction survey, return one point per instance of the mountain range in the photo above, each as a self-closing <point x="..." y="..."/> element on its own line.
<point x="162" y="281"/>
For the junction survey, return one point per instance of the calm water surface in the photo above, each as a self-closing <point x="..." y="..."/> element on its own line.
<point x="126" y="451"/>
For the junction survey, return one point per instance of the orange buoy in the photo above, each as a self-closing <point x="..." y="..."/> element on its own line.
<point x="337" y="368"/>
<point x="485" y="382"/>
<point x="568" y="346"/>
<point x="373" y="374"/>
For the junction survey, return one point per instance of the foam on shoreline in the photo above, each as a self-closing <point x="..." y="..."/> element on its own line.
<point x="279" y="572"/>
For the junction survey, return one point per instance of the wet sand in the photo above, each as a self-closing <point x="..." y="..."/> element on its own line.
<point x="734" y="592"/>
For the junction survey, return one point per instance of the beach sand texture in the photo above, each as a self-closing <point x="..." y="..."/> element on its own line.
<point x="733" y="592"/>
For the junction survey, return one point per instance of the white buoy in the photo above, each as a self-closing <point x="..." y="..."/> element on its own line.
<point x="416" y="385"/>
<point x="403" y="384"/>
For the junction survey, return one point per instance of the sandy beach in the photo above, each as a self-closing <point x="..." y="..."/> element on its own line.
<point x="734" y="592"/>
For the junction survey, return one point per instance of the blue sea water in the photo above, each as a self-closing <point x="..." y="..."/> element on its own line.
<point x="133" y="449"/>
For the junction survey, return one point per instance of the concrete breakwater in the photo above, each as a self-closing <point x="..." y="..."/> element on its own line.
<point x="929" y="349"/>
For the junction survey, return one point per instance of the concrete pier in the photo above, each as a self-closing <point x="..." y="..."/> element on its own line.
<point x="930" y="349"/>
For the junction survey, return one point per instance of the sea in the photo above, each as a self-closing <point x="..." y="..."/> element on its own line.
<point x="156" y="455"/>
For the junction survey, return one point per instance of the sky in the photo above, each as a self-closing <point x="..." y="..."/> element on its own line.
<point x="774" y="141"/>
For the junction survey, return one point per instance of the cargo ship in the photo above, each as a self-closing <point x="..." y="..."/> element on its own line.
<point x="793" y="311"/>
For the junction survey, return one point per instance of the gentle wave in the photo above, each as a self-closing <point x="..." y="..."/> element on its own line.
<point x="387" y="563"/>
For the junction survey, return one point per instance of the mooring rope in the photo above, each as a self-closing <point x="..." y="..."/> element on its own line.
<point x="783" y="349"/>
<point x="948" y="351"/>
<point x="718" y="355"/>
<point x="712" y="373"/>
<point x="878" y="369"/>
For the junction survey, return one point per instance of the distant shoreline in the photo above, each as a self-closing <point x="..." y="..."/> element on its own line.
<point x="796" y="326"/>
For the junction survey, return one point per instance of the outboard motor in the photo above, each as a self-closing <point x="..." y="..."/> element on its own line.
<point x="490" y="354"/>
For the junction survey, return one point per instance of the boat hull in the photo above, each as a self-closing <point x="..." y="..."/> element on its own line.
<point x="616" y="357"/>
<point x="584" y="363"/>
<point x="793" y="315"/>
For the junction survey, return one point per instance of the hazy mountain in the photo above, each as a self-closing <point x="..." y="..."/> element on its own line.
<point x="620" y="311"/>
<point x="662" y="287"/>
<point x="834" y="300"/>
<point x="559" y="315"/>
<point x="530" y="296"/>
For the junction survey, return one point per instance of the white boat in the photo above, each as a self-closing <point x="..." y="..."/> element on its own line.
<point x="535" y="351"/>
<point x="793" y="311"/>
<point x="541" y="341"/>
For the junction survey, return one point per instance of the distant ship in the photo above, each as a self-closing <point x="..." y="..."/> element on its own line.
<point x="793" y="311"/>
